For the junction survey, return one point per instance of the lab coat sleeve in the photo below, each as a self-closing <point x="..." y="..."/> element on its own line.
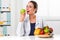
<point x="20" y="29"/>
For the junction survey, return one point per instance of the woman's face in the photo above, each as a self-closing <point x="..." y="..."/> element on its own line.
<point x="30" y="8"/>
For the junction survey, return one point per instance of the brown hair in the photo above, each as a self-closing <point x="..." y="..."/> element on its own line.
<point x="35" y="5"/>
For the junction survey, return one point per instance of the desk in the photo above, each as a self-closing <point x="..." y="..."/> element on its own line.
<point x="55" y="37"/>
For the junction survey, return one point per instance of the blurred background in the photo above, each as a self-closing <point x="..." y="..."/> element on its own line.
<point x="49" y="10"/>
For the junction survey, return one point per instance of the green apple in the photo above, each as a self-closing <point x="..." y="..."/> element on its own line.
<point x="22" y="11"/>
<point x="46" y="27"/>
<point x="46" y="30"/>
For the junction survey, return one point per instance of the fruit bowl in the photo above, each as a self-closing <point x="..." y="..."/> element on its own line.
<point x="45" y="36"/>
<point x="45" y="32"/>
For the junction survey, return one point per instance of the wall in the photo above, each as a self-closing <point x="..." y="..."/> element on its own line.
<point x="49" y="8"/>
<point x="54" y="8"/>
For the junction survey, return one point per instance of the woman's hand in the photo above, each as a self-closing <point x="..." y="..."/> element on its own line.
<point x="22" y="17"/>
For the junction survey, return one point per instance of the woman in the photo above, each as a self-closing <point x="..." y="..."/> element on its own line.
<point x="27" y="25"/>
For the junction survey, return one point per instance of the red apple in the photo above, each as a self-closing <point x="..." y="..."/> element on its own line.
<point x="41" y="32"/>
<point x="51" y="30"/>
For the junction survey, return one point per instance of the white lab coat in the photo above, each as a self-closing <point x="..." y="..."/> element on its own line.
<point x="23" y="28"/>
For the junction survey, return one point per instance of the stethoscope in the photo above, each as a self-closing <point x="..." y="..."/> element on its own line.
<point x="42" y="24"/>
